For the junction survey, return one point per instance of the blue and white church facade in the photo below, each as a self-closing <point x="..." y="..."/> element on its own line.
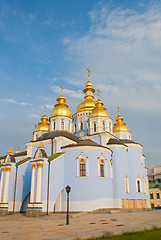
<point x="99" y="160"/>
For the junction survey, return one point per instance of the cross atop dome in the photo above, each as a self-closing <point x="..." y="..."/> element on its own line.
<point x="61" y="90"/>
<point x="88" y="73"/>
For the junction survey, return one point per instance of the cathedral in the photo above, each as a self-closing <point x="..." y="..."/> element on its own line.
<point x="99" y="160"/>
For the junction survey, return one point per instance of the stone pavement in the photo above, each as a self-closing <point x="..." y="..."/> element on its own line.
<point x="82" y="226"/>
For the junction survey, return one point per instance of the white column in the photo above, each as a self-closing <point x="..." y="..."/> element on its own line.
<point x="39" y="176"/>
<point x="32" y="183"/>
<point x="5" y="195"/>
<point x="2" y="176"/>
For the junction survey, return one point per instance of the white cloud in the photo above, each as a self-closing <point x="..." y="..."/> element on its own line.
<point x="9" y="100"/>
<point x="68" y="92"/>
<point x="123" y="48"/>
<point x="35" y="116"/>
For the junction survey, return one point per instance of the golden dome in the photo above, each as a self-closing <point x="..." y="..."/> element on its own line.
<point x="120" y="126"/>
<point x="88" y="104"/>
<point x="43" y="125"/>
<point x="61" y="109"/>
<point x="99" y="110"/>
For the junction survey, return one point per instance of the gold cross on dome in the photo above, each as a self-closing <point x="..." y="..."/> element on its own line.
<point x="61" y="90"/>
<point x="45" y="107"/>
<point x="118" y="110"/>
<point x="88" y="71"/>
<point x="98" y="93"/>
<point x="11" y="143"/>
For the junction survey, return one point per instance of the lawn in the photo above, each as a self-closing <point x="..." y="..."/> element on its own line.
<point x="147" y="235"/>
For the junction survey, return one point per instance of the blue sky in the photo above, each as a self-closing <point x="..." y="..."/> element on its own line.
<point x="46" y="44"/>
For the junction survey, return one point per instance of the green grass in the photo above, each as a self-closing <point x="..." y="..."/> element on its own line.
<point x="54" y="156"/>
<point x="146" y="235"/>
<point x="23" y="161"/>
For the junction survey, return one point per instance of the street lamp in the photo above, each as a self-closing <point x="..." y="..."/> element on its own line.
<point x="68" y="189"/>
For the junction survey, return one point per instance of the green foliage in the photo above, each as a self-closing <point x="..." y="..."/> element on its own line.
<point x="154" y="185"/>
<point x="54" y="156"/>
<point x="148" y="235"/>
<point x="23" y="161"/>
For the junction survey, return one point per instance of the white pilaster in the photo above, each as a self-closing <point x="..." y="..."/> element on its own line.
<point x="32" y="183"/>
<point x="5" y="195"/>
<point x="2" y="176"/>
<point x="39" y="177"/>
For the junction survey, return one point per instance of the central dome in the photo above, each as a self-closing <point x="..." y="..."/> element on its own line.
<point x="88" y="104"/>
<point x="61" y="109"/>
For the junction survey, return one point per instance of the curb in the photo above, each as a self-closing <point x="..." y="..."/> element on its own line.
<point x="110" y="233"/>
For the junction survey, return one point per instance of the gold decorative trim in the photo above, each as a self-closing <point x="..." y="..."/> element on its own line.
<point x="39" y="165"/>
<point x="2" y="169"/>
<point x="33" y="165"/>
<point x="8" y="169"/>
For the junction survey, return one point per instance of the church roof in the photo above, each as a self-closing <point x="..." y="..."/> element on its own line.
<point x="115" y="141"/>
<point x="86" y="142"/>
<point x="128" y="141"/>
<point x="59" y="133"/>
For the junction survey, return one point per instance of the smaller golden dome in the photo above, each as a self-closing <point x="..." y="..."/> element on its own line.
<point x="120" y="126"/>
<point x="11" y="149"/>
<point x="61" y="109"/>
<point x="43" y="125"/>
<point x="99" y="110"/>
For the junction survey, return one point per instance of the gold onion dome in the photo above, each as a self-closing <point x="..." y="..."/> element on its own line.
<point x="120" y="126"/>
<point x="43" y="125"/>
<point x="88" y="104"/>
<point x="61" y="109"/>
<point x="99" y="110"/>
<point x="10" y="151"/>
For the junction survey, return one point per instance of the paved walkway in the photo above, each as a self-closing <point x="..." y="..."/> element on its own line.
<point x="82" y="226"/>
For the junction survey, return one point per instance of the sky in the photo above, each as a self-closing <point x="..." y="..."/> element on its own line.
<point x="46" y="44"/>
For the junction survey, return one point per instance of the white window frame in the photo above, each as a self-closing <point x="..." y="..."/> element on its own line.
<point x="85" y="158"/>
<point x="100" y="160"/>
<point x="138" y="179"/>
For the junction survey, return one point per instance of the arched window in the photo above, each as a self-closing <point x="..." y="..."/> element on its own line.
<point x="62" y="124"/>
<point x="138" y="186"/>
<point x="102" y="166"/>
<point x="103" y="126"/>
<point x="94" y="126"/>
<point x="126" y="185"/>
<point x="81" y="126"/>
<point x="75" y="127"/>
<point x="82" y="168"/>
<point x="102" y="170"/>
<point x="82" y="165"/>
<point x="54" y="125"/>
<point x="111" y="168"/>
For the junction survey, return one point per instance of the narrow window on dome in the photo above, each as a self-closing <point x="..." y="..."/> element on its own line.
<point x="109" y="127"/>
<point x="62" y="125"/>
<point x="69" y="126"/>
<point x="94" y="127"/>
<point x="81" y="126"/>
<point x="54" y="125"/>
<point x="103" y="126"/>
<point x="75" y="127"/>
